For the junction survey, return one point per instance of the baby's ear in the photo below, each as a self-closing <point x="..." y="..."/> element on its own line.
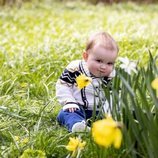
<point x="85" y="55"/>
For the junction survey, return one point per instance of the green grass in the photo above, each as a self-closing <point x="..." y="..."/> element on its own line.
<point x="37" y="41"/>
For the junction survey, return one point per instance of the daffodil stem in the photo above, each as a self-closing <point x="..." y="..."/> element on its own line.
<point x="78" y="154"/>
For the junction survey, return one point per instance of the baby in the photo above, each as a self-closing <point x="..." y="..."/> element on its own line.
<point x="98" y="64"/>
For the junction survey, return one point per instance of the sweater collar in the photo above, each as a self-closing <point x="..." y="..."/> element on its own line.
<point x="84" y="69"/>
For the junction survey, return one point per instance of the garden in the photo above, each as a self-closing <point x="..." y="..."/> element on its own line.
<point x="37" y="41"/>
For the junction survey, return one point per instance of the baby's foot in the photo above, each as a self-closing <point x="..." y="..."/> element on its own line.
<point x="80" y="127"/>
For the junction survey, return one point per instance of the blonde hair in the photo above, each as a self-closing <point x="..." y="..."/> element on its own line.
<point x="104" y="39"/>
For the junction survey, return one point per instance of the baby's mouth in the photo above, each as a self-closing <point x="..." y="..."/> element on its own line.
<point x="102" y="72"/>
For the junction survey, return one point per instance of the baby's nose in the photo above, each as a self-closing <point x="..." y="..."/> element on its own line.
<point x="103" y="66"/>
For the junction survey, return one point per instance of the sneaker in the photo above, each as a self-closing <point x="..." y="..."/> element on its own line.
<point x="80" y="127"/>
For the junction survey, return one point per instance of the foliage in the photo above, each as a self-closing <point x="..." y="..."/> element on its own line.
<point x="19" y="3"/>
<point x="138" y="109"/>
<point x="120" y="1"/>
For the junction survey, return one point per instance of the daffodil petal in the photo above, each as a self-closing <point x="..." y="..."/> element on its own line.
<point x="127" y="65"/>
<point x="154" y="83"/>
<point x="118" y="138"/>
<point x="83" y="81"/>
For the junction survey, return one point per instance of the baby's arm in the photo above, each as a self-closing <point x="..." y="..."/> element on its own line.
<point x="64" y="87"/>
<point x="65" y="96"/>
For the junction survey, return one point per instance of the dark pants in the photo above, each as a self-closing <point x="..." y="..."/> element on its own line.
<point x="68" y="119"/>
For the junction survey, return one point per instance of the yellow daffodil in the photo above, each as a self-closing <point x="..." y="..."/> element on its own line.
<point x="106" y="132"/>
<point x="75" y="143"/>
<point x="17" y="138"/>
<point x="33" y="153"/>
<point x="154" y="85"/>
<point x="83" y="81"/>
<point x="24" y="85"/>
<point x="25" y="141"/>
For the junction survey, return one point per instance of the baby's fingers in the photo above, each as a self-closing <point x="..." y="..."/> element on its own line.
<point x="72" y="109"/>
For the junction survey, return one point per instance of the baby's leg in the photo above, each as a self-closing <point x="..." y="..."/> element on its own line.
<point x="68" y="119"/>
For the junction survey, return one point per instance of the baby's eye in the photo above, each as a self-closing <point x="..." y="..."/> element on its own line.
<point x="99" y="61"/>
<point x="110" y="63"/>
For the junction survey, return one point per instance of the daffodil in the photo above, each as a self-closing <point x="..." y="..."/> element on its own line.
<point x="17" y="138"/>
<point x="75" y="145"/>
<point x="106" y="132"/>
<point x="127" y="65"/>
<point x="33" y="153"/>
<point x="25" y="141"/>
<point x="23" y="85"/>
<point x="83" y="81"/>
<point x="154" y="85"/>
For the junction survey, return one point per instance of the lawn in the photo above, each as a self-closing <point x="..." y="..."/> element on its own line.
<point x="38" y="40"/>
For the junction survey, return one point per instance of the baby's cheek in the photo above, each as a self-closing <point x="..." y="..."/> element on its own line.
<point x="110" y="69"/>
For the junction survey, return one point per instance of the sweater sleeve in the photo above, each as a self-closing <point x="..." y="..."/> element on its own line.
<point x="64" y="87"/>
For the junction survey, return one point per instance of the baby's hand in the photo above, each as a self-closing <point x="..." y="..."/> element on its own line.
<point x="72" y="109"/>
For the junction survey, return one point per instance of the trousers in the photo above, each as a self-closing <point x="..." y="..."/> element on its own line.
<point x="68" y="119"/>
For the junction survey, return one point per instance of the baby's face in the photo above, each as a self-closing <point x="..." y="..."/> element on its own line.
<point x="100" y="61"/>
